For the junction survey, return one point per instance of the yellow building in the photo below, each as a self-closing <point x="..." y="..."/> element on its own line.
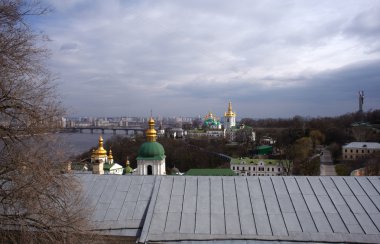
<point x="359" y="150"/>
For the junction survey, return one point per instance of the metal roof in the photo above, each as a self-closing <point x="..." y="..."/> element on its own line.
<point x="361" y="145"/>
<point x="206" y="208"/>
<point x="118" y="202"/>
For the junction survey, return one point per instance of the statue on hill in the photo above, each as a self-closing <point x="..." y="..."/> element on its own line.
<point x="361" y="101"/>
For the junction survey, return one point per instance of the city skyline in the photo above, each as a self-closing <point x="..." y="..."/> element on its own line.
<point x="271" y="59"/>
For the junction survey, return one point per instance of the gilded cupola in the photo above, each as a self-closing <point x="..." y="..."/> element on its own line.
<point x="110" y="156"/>
<point x="100" y="151"/>
<point x="151" y="133"/>
<point x="230" y="113"/>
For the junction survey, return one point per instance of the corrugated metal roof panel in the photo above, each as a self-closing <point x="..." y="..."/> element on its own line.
<point x="171" y="208"/>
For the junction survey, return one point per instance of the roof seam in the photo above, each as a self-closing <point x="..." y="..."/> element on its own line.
<point x="140" y="187"/>
<point x="275" y="193"/>
<point x="367" y="192"/>
<point x="333" y="203"/>
<point x="291" y="201"/>
<point x="121" y="207"/>
<point x="170" y="199"/>
<point x="348" y="205"/>
<point x="196" y="207"/>
<point x="148" y="219"/>
<point x="265" y="204"/>
<point x="362" y="206"/>
<point x="378" y="192"/>
<point x="250" y="200"/>
<point x="320" y="205"/>
<point x="307" y="206"/>
<point x="183" y="200"/>
<point x="237" y="206"/>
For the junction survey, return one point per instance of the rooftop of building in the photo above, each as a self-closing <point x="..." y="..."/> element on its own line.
<point x="255" y="161"/>
<point x="211" y="172"/>
<point x="362" y="145"/>
<point x="108" y="166"/>
<point x="151" y="150"/>
<point x="217" y="209"/>
<point x="263" y="147"/>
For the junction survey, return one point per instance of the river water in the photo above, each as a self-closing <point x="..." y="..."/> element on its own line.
<point x="80" y="142"/>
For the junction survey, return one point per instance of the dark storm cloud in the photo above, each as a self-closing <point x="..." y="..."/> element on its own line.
<point x="271" y="58"/>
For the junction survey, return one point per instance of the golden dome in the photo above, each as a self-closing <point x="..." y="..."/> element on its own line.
<point x="209" y="115"/>
<point x="151" y="133"/>
<point x="100" y="151"/>
<point x="110" y="157"/>
<point x="230" y="113"/>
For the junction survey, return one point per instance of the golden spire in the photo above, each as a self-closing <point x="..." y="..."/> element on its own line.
<point x="151" y="133"/>
<point x="100" y="151"/>
<point x="229" y="113"/>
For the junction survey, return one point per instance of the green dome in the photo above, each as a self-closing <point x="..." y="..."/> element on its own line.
<point x="151" y="150"/>
<point x="211" y="122"/>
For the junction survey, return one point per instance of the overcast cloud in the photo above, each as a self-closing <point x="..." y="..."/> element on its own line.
<point x="270" y="58"/>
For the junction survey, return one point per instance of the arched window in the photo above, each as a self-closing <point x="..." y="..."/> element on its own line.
<point x="150" y="170"/>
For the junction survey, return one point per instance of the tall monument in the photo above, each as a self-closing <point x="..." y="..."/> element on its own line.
<point x="361" y="101"/>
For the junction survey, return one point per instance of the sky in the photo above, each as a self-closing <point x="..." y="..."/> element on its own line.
<point x="269" y="58"/>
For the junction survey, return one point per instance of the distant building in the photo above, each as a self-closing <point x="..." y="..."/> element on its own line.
<point x="212" y="128"/>
<point x="267" y="140"/>
<point x="257" y="167"/>
<point x="211" y="122"/>
<point x="175" y="132"/>
<point x="359" y="150"/>
<point x="242" y="133"/>
<point x="229" y="117"/>
<point x="216" y="133"/>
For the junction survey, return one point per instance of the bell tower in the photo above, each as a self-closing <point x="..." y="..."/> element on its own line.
<point x="151" y="155"/>
<point x="229" y="117"/>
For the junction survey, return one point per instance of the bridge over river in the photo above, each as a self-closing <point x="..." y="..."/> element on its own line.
<point x="97" y="129"/>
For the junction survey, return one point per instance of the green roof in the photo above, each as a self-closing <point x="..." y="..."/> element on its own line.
<point x="264" y="150"/>
<point x="211" y="122"/>
<point x="107" y="167"/>
<point x="254" y="161"/>
<point x="127" y="170"/>
<point x="151" y="151"/>
<point x="211" y="172"/>
<point x="263" y="147"/>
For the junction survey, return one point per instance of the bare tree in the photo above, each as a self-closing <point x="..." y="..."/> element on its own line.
<point x="28" y="102"/>
<point x="37" y="202"/>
